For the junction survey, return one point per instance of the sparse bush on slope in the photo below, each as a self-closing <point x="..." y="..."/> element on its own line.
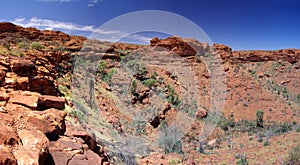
<point x="294" y="156"/>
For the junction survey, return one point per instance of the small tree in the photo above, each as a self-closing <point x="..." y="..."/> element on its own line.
<point x="259" y="118"/>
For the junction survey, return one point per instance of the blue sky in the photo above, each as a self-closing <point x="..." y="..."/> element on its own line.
<point x="240" y="24"/>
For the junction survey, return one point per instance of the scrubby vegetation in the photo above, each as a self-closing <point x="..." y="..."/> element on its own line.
<point x="37" y="46"/>
<point x="294" y="156"/>
<point x="170" y="140"/>
<point x="172" y="97"/>
<point x="259" y="118"/>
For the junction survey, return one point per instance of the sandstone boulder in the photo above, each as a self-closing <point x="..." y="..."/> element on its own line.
<point x="71" y="150"/>
<point x="7" y="135"/>
<point x="43" y="85"/>
<point x="201" y="113"/>
<point x="22" y="83"/>
<point x="46" y="102"/>
<point x="6" y="157"/>
<point x="34" y="149"/>
<point x="88" y="139"/>
<point x="51" y="122"/>
<point x="73" y="45"/>
<point x="23" y="67"/>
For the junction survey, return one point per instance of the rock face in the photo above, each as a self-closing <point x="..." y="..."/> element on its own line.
<point x="226" y="53"/>
<point x="175" y="44"/>
<point x="290" y="55"/>
<point x="33" y="125"/>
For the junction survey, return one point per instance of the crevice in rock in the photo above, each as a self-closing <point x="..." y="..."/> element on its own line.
<point x="47" y="159"/>
<point x="71" y="158"/>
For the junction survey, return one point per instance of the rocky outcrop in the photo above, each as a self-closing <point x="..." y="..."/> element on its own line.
<point x="33" y="125"/>
<point x="30" y="34"/>
<point x="226" y="53"/>
<point x="290" y="55"/>
<point x="175" y="44"/>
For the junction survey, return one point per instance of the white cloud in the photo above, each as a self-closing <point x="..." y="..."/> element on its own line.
<point x="107" y="35"/>
<point x="139" y="38"/>
<point x="52" y="24"/>
<point x="92" y="3"/>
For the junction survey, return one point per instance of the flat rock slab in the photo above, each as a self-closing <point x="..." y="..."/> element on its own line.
<point x="27" y="101"/>
<point x="47" y="102"/>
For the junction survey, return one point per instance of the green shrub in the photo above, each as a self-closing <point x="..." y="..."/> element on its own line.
<point x="266" y="143"/>
<point x="37" y="46"/>
<point x="172" y="96"/>
<point x="225" y="123"/>
<point x="285" y="127"/>
<point x="149" y="82"/>
<point x="174" y="161"/>
<point x="133" y="87"/>
<point x="78" y="114"/>
<point x="60" y="49"/>
<point x="298" y="129"/>
<point x="23" y="45"/>
<point x="142" y="70"/>
<point x="17" y="53"/>
<point x="242" y="159"/>
<point x="259" y="118"/>
<point x="107" y="77"/>
<point x="102" y="66"/>
<point x="245" y="126"/>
